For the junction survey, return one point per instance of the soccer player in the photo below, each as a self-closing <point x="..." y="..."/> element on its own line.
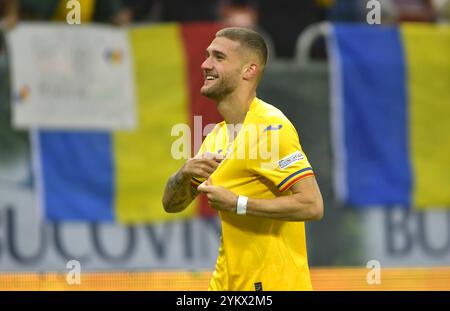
<point x="254" y="173"/>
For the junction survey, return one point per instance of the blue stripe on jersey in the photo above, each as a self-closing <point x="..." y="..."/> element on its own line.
<point x="292" y="175"/>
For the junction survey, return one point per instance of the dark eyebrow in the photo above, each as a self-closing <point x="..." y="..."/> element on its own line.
<point x="217" y="53"/>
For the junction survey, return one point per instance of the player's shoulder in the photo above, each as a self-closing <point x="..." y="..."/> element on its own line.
<point x="266" y="113"/>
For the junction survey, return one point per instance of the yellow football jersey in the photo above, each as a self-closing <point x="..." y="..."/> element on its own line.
<point x="263" y="161"/>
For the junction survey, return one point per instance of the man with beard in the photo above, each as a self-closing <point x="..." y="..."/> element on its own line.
<point x="254" y="173"/>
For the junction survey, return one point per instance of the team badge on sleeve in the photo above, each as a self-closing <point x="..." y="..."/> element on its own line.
<point x="290" y="159"/>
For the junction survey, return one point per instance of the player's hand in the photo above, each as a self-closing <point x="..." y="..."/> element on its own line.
<point x="219" y="198"/>
<point x="201" y="166"/>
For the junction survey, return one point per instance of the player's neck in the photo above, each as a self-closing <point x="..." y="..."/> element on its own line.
<point x="234" y="108"/>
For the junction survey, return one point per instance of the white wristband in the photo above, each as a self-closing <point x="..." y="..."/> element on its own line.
<point x="241" y="208"/>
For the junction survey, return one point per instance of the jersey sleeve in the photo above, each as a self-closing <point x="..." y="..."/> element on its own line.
<point x="285" y="163"/>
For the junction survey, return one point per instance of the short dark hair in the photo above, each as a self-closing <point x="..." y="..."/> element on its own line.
<point x="248" y="38"/>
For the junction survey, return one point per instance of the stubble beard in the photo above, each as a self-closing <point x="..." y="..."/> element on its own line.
<point x="220" y="90"/>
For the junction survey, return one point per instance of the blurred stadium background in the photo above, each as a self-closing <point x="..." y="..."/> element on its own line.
<point x="91" y="192"/>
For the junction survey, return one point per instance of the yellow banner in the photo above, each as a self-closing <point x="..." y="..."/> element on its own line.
<point x="427" y="49"/>
<point x="143" y="157"/>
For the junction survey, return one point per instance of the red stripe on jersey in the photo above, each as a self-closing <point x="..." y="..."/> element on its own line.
<point x="295" y="180"/>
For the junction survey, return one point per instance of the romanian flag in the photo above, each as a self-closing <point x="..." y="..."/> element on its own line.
<point x="391" y="114"/>
<point x="120" y="176"/>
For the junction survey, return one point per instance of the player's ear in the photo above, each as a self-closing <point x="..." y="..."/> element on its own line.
<point x="251" y="71"/>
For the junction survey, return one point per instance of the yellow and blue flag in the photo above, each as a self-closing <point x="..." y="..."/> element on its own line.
<point x="391" y="114"/>
<point x="120" y="176"/>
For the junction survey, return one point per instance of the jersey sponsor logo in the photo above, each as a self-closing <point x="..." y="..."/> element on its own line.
<point x="290" y="159"/>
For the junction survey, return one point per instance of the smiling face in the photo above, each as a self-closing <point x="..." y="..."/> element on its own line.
<point x="222" y="68"/>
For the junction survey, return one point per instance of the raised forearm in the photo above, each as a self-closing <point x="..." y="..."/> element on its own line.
<point x="178" y="193"/>
<point x="305" y="202"/>
<point x="289" y="208"/>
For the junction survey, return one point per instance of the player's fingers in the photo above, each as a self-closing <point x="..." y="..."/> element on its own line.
<point x="213" y="156"/>
<point x="207" y="169"/>
<point x="204" y="188"/>
<point x="218" y="157"/>
<point x="201" y="173"/>
<point x="211" y="200"/>
<point x="211" y="163"/>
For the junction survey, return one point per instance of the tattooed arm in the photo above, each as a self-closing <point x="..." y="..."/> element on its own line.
<point x="179" y="192"/>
